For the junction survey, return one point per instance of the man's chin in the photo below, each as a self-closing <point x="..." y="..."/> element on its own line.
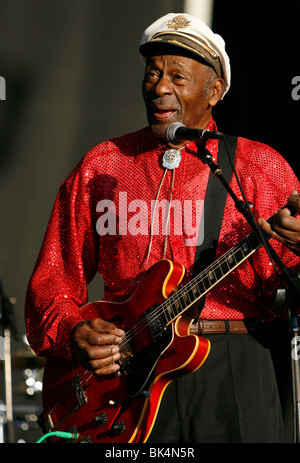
<point x="159" y="130"/>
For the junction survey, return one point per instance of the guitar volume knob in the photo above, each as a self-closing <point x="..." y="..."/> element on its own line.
<point x="101" y="419"/>
<point x="119" y="427"/>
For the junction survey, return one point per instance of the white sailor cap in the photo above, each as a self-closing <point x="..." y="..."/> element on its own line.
<point x="188" y="32"/>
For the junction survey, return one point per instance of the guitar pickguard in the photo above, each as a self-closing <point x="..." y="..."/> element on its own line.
<point x="139" y="367"/>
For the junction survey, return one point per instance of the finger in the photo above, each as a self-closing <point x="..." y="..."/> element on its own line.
<point x="98" y="364"/>
<point x="109" y="353"/>
<point x="105" y="365"/>
<point x="96" y="359"/>
<point x="102" y="339"/>
<point x="102" y="368"/>
<point x="294" y="200"/>
<point x="107" y="370"/>
<point x="103" y="326"/>
<point x="266" y="227"/>
<point x="287" y="237"/>
<point x="283" y="221"/>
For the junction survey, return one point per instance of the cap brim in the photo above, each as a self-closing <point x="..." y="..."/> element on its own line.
<point x="184" y="44"/>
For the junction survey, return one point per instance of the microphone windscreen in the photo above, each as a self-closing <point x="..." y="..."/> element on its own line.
<point x="171" y="131"/>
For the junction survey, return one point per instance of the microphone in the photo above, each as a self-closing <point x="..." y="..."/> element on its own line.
<point x="177" y="132"/>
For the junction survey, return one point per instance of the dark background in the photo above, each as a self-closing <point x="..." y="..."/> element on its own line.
<point x="263" y="42"/>
<point x="73" y="77"/>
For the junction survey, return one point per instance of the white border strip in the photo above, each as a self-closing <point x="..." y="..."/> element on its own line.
<point x="202" y="9"/>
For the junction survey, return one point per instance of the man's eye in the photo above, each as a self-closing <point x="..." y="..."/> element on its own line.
<point x="178" y="77"/>
<point x="151" y="75"/>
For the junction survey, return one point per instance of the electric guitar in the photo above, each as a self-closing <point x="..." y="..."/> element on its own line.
<point x="157" y="348"/>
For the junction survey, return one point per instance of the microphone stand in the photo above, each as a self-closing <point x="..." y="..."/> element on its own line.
<point x="8" y="327"/>
<point x="290" y="295"/>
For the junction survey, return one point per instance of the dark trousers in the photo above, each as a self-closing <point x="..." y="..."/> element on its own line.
<point x="231" y="398"/>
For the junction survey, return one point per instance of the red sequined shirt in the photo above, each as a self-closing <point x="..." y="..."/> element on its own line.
<point x="118" y="180"/>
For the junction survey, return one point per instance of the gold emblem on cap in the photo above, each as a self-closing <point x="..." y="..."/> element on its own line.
<point x="178" y="22"/>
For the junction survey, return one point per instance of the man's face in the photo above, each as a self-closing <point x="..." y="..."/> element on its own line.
<point x="176" y="89"/>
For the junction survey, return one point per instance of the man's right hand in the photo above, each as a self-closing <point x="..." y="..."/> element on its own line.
<point x="96" y="344"/>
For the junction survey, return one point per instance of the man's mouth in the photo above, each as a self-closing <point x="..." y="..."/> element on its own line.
<point x="162" y="114"/>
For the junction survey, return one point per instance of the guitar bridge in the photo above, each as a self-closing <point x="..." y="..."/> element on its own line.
<point x="126" y="352"/>
<point x="82" y="399"/>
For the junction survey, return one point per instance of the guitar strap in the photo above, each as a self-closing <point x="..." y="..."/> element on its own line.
<point x="214" y="205"/>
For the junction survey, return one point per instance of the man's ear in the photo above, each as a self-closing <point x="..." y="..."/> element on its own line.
<point x="216" y="91"/>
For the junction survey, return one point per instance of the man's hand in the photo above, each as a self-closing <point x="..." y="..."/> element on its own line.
<point x="96" y="344"/>
<point x="285" y="228"/>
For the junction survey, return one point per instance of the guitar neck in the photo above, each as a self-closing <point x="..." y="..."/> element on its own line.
<point x="199" y="286"/>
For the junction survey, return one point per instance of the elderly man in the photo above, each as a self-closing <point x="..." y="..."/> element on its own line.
<point x="95" y="227"/>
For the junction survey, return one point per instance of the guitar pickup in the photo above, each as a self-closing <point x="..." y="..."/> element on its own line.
<point x="156" y="324"/>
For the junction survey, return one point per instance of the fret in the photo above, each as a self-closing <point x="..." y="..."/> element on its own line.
<point x="238" y="255"/>
<point x="246" y="248"/>
<point x="185" y="299"/>
<point x="178" y="307"/>
<point x="225" y="266"/>
<point x="231" y="260"/>
<point x="218" y="272"/>
<point x="173" y="308"/>
<point x="205" y="282"/>
<point x="196" y="291"/>
<point x="169" y="313"/>
<point x="211" y="276"/>
<point x="201" y="286"/>
<point x="191" y="295"/>
<point x="249" y="244"/>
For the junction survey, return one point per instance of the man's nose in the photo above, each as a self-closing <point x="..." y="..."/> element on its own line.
<point x="163" y="86"/>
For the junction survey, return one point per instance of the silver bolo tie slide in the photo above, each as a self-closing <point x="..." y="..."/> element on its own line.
<point x="171" y="159"/>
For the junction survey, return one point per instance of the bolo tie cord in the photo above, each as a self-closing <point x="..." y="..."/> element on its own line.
<point x="168" y="214"/>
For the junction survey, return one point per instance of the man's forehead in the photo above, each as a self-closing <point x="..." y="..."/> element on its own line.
<point x="173" y="55"/>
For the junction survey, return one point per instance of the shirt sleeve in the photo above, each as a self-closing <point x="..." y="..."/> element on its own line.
<point x="67" y="262"/>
